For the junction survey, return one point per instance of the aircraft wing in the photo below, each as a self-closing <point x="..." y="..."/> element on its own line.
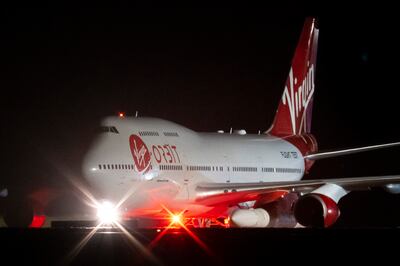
<point x="217" y="193"/>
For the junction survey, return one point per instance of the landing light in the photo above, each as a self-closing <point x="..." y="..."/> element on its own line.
<point x="176" y="219"/>
<point x="107" y="213"/>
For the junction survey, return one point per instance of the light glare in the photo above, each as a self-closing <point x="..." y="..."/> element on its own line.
<point x="176" y="219"/>
<point x="107" y="213"/>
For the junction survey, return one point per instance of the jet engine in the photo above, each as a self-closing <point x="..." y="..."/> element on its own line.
<point x="392" y="188"/>
<point x="18" y="213"/>
<point x="316" y="210"/>
<point x="319" y="208"/>
<point x="21" y="209"/>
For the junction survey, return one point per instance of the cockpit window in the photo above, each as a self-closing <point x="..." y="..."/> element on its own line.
<point x="104" y="129"/>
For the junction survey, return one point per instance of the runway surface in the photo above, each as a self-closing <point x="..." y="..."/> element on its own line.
<point x="195" y="247"/>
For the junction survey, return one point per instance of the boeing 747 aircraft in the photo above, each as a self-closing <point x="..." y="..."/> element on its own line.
<point x="152" y="167"/>
<point x="157" y="169"/>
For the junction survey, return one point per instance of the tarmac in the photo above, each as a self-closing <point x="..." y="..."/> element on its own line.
<point x="232" y="246"/>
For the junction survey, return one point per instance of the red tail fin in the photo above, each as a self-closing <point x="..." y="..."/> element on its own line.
<point x="294" y="113"/>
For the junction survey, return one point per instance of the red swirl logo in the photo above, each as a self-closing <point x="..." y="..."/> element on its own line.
<point x="140" y="153"/>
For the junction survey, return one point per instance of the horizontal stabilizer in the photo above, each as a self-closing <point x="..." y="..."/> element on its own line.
<point x="329" y="154"/>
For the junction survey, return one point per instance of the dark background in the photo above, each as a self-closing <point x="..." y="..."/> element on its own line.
<point x="63" y="69"/>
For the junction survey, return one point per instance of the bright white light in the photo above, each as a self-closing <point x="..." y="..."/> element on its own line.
<point x="107" y="213"/>
<point x="176" y="219"/>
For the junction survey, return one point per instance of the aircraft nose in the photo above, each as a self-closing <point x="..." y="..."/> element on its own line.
<point x="91" y="165"/>
<point x="89" y="169"/>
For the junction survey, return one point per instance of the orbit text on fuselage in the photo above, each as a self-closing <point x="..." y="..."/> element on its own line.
<point x="165" y="153"/>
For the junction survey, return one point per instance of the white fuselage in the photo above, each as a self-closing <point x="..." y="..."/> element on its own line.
<point x="148" y="158"/>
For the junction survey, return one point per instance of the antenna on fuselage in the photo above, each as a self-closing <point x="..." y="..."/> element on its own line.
<point x="136" y="114"/>
<point x="230" y="131"/>
<point x="259" y="132"/>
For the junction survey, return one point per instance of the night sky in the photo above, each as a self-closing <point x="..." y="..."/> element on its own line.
<point x="64" y="69"/>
